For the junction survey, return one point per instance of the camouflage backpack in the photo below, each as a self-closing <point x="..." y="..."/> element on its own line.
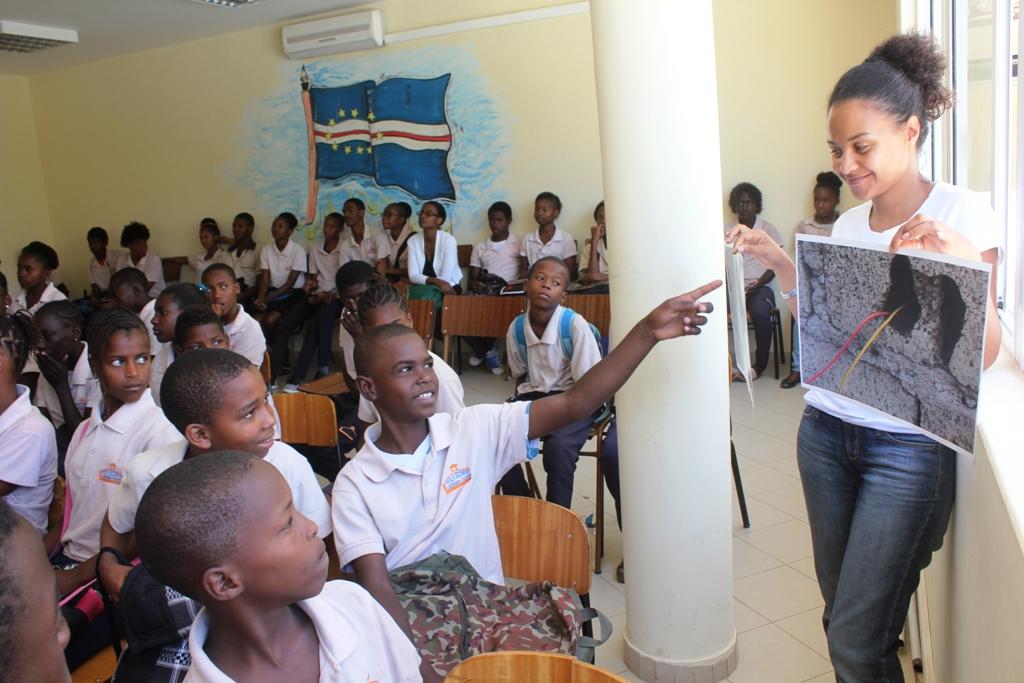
<point x="455" y="614"/>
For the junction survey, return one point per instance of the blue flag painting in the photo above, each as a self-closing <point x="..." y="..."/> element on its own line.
<point x="396" y="132"/>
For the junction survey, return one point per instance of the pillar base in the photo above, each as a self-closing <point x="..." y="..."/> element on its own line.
<point x="651" y="668"/>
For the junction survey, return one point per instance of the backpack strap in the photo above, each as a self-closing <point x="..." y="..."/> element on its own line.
<point x="519" y="333"/>
<point x="565" y="331"/>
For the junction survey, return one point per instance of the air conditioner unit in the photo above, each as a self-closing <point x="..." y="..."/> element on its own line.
<point x="346" y="33"/>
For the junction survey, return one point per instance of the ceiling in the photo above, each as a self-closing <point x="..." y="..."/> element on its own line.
<point x="108" y="28"/>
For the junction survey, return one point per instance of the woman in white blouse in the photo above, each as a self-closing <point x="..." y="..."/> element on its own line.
<point x="433" y="253"/>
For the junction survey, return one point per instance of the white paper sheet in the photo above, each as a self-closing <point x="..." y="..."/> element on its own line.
<point x="738" y="313"/>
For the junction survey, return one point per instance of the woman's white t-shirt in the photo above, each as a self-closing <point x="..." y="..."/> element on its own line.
<point x="966" y="212"/>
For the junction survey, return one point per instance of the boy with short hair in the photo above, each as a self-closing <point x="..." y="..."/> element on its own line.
<point x="422" y="481"/>
<point x="245" y="333"/>
<point x="129" y="289"/>
<point x="135" y="238"/>
<point x="224" y="531"/>
<point x="352" y="279"/>
<point x="103" y="262"/>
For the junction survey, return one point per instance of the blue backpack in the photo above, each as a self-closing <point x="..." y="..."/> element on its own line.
<point x="564" y="334"/>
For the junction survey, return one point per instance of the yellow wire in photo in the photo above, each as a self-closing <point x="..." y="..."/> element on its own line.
<point x="866" y="346"/>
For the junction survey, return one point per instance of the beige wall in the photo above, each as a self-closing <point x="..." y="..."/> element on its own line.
<point x="24" y="213"/>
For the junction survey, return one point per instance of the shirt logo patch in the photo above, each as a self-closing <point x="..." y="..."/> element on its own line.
<point x="457" y="478"/>
<point x="111" y="474"/>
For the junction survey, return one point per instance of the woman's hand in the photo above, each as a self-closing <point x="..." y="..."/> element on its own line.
<point x="927" y="234"/>
<point x="441" y="284"/>
<point x="758" y="244"/>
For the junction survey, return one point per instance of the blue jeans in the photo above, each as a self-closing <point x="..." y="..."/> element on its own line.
<point x="878" y="504"/>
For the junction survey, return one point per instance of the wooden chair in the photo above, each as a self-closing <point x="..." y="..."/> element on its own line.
<point x="265" y="369"/>
<point x="330" y="385"/>
<point x="465" y="252"/>
<point x="98" y="669"/>
<point x="307" y="419"/>
<point x="778" y="344"/>
<point x="477" y="316"/>
<point x="423" y="314"/>
<point x="172" y="268"/>
<point x="528" y="667"/>
<point x="595" y="308"/>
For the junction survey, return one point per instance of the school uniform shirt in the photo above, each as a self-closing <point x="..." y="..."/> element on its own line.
<point x="325" y="264"/>
<point x="450" y="396"/>
<point x="85" y="390"/>
<point x="244" y="264"/>
<point x="99" y="273"/>
<point x="97" y="456"/>
<point x="146" y="314"/>
<point x="150" y="265"/>
<point x="281" y="262"/>
<point x="145" y="467"/>
<point x="546" y="367"/>
<point x="498" y="258"/>
<point x="809" y="226"/>
<point x="198" y="263"/>
<point x="446" y="259"/>
<point x="50" y="293"/>
<point x="359" y="641"/>
<point x="408" y="507"/>
<point x="602" y="257"/>
<point x="364" y="251"/>
<point x="28" y="459"/>
<point x="964" y="211"/>
<point x="752" y="268"/>
<point x="561" y="245"/>
<point x="387" y="248"/>
<point x="246" y="337"/>
<point x="158" y="368"/>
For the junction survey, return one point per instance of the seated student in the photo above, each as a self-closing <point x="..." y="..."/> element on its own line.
<point x="282" y="273"/>
<point x="242" y="255"/>
<point x="382" y="304"/>
<point x="5" y="297"/>
<point x="28" y="449"/>
<point x="393" y="242"/>
<point x="493" y="264"/>
<point x="102" y="264"/>
<point x="218" y="400"/>
<point x="225" y="531"/>
<point x="422" y="481"/>
<point x="209" y="240"/>
<point x="548" y="239"/>
<point x="434" y="253"/>
<point x="67" y="390"/>
<point x="320" y="307"/>
<point x="169" y="305"/>
<point x="242" y="329"/>
<point x="135" y="238"/>
<point x="746" y="202"/>
<point x="537" y="359"/>
<point x="352" y="280"/>
<point x="128" y="290"/>
<point x="35" y="263"/>
<point x="594" y="270"/>
<point x="359" y="242"/>
<point x="33" y="633"/>
<point x="125" y="423"/>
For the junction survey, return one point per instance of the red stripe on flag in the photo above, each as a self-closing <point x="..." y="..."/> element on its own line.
<point x="338" y="136"/>
<point x="414" y="136"/>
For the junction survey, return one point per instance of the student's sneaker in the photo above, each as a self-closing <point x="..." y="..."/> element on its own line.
<point x="620" y="572"/>
<point x="493" y="360"/>
<point x="475" y="362"/>
<point x="291" y="388"/>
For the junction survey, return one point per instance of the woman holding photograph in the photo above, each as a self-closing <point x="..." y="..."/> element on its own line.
<point x="879" y="494"/>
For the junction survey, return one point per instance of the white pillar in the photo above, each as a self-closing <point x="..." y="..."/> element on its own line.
<point x="658" y="108"/>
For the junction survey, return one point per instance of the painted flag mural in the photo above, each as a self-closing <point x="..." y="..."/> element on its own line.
<point x="395" y="132"/>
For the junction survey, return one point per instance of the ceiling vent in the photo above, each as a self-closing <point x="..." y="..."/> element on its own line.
<point x="227" y="3"/>
<point x="18" y="37"/>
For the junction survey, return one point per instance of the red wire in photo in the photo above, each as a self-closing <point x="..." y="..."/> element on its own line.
<point x="846" y="344"/>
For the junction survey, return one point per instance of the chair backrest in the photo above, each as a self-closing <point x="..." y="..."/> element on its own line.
<point x="265" y="368"/>
<point x="423" y="313"/>
<point x="172" y="268"/>
<point x="465" y="251"/>
<point x="541" y="541"/>
<point x="307" y="419"/>
<point x="534" y="667"/>
<point x="480" y="316"/>
<point x="595" y="309"/>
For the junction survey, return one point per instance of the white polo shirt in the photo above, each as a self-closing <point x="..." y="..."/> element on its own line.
<point x="546" y="366"/>
<point x="602" y="257"/>
<point x="50" y="293"/>
<point x="449" y="393"/>
<point x="97" y="456"/>
<point x="364" y="251"/>
<point x="161" y="361"/>
<point x="243" y="264"/>
<point x="281" y="262"/>
<point x="387" y="247"/>
<point x="85" y="390"/>
<point x="246" y="337"/>
<point x="99" y="273"/>
<point x="150" y="265"/>
<point x="409" y="509"/>
<point x="146" y="315"/>
<point x="561" y="245"/>
<point x="145" y="467"/>
<point x="28" y="459"/>
<point x="325" y="264"/>
<point x="498" y="258"/>
<point x="198" y="263"/>
<point x="359" y="641"/>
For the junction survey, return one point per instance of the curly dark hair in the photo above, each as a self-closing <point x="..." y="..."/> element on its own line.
<point x="380" y="293"/>
<point x="193" y="388"/>
<point x="752" y="190"/>
<point x="105" y="323"/>
<point x="43" y="253"/>
<point x="18" y="335"/>
<point x="829" y="181"/>
<point x="132" y="232"/>
<point x="904" y="76"/>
